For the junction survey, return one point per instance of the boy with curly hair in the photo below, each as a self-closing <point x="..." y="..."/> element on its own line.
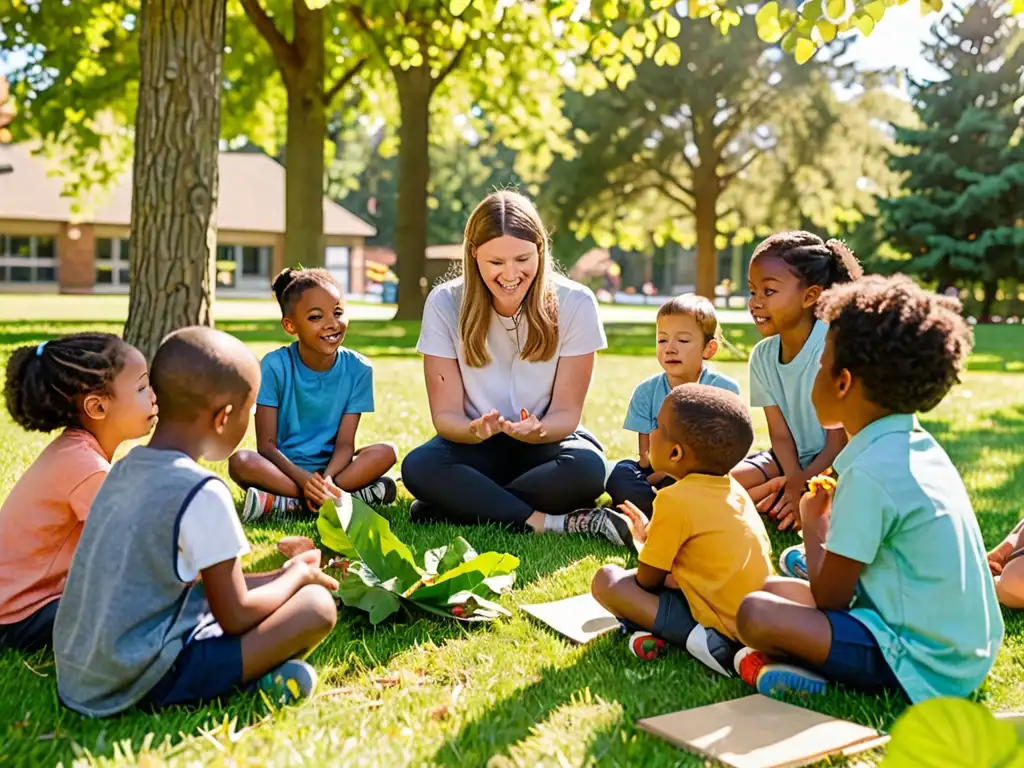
<point x="899" y="595"/>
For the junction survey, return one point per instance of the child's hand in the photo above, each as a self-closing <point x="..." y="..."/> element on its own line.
<point x="529" y="430"/>
<point x="638" y="520"/>
<point x="815" y="506"/>
<point x="317" y="577"/>
<point x="331" y="488"/>
<point x="311" y="557"/>
<point x="485" y="426"/>
<point x="315" y="490"/>
<point x="787" y="510"/>
<point x="998" y="556"/>
<point x="763" y="495"/>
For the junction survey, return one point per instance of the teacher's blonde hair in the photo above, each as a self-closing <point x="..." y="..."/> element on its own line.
<point x="507" y="213"/>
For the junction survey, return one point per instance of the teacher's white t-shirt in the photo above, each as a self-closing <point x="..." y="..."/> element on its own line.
<point x="510" y="383"/>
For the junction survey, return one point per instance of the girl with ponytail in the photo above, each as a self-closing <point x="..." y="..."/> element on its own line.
<point x="788" y="273"/>
<point x="95" y="389"/>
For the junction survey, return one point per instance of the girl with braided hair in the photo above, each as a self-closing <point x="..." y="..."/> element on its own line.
<point x="95" y="389"/>
<point x="788" y="273"/>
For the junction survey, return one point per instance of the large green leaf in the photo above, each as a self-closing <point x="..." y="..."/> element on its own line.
<point x="948" y="733"/>
<point x="363" y="590"/>
<point x="355" y="531"/>
<point x="475" y="608"/>
<point x="443" y="559"/>
<point x="468" y="577"/>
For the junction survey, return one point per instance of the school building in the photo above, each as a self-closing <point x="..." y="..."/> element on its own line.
<point x="44" y="247"/>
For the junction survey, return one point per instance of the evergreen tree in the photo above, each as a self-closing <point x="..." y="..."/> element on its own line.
<point x="959" y="220"/>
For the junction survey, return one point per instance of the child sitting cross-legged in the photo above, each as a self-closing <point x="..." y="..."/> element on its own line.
<point x="706" y="547"/>
<point x="686" y="340"/>
<point x="899" y="595"/>
<point x="313" y="395"/>
<point x="135" y="626"/>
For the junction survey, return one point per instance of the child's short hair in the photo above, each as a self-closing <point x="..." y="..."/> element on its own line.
<point x="698" y="307"/>
<point x="192" y="366"/>
<point x="45" y="381"/>
<point x="290" y="284"/>
<point x="905" y="344"/>
<point x="816" y="261"/>
<point x="714" y="423"/>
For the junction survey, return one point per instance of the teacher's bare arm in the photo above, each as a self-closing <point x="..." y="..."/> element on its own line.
<point x="572" y="382"/>
<point x="446" y="395"/>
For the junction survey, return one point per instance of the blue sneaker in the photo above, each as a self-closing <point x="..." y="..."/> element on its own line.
<point x="771" y="679"/>
<point x="793" y="562"/>
<point x="290" y="682"/>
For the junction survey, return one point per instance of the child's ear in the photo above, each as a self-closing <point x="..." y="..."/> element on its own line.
<point x="676" y="454"/>
<point x="811" y="295"/>
<point x="220" y="418"/>
<point x="844" y="383"/>
<point x="289" y="326"/>
<point x="95" y="407"/>
<point x="710" y="349"/>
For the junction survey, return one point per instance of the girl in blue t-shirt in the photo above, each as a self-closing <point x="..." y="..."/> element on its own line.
<point x="312" y="395"/>
<point x="787" y="274"/>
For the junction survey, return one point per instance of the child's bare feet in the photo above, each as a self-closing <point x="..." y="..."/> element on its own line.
<point x="291" y="546"/>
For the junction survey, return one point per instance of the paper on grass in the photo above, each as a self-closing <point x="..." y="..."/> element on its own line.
<point x="579" y="618"/>
<point x="759" y="732"/>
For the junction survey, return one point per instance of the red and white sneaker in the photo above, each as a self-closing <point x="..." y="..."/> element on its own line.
<point x="771" y="679"/>
<point x="260" y="505"/>
<point x="646" y="646"/>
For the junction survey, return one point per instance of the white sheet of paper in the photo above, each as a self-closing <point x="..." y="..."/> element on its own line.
<point x="579" y="618"/>
<point x="759" y="732"/>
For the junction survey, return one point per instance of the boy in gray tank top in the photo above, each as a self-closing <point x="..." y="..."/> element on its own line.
<point x="134" y="628"/>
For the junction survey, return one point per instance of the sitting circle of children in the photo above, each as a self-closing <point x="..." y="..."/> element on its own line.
<point x="891" y="588"/>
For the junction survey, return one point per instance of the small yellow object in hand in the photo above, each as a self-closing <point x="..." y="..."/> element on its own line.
<point x="821" y="483"/>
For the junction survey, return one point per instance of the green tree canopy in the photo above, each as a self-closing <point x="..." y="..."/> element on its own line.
<point x="960" y="218"/>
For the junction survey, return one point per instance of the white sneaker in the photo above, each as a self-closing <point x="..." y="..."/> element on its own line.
<point x="379" y="492"/>
<point x="260" y="505"/>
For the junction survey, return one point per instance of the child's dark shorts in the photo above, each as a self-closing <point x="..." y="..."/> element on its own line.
<point x="31" y="633"/>
<point x="765" y="461"/>
<point x="208" y="667"/>
<point x="855" y="659"/>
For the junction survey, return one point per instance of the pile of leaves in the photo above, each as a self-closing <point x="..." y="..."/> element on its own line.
<point x="381" y="572"/>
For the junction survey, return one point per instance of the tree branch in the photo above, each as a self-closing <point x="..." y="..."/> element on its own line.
<point x="664" y="189"/>
<point x="436" y="81"/>
<point x="726" y="178"/>
<point x="331" y="93"/>
<point x="728" y="129"/>
<point x="668" y="178"/>
<point x="364" y="24"/>
<point x="284" y="52"/>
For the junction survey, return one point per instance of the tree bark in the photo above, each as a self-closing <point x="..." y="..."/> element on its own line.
<point x="706" y="226"/>
<point x="174" y="200"/>
<point x="304" y="148"/>
<point x="414" y="87"/>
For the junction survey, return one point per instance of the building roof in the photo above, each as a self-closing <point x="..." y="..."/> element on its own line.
<point x="251" y="196"/>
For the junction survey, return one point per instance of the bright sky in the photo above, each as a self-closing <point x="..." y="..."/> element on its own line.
<point x="896" y="42"/>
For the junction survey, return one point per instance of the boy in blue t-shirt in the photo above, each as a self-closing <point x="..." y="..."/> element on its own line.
<point x="899" y="595"/>
<point x="687" y="327"/>
<point x="312" y="396"/>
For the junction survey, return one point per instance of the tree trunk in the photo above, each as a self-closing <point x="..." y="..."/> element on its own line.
<point x="174" y="200"/>
<point x="304" y="148"/>
<point x="990" y="288"/>
<point x="413" y="173"/>
<point x="705" y="225"/>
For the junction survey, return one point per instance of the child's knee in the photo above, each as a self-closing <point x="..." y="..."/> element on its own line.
<point x="605" y="581"/>
<point x="241" y="465"/>
<point x="754" y="619"/>
<point x="388" y="454"/>
<point x="318" y="610"/>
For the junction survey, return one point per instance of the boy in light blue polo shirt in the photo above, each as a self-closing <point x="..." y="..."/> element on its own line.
<point x="899" y="596"/>
<point x="687" y="327"/>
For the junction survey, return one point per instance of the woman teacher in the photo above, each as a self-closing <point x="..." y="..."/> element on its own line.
<point x="508" y="352"/>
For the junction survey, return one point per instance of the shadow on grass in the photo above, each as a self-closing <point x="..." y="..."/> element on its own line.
<point x="606" y="684"/>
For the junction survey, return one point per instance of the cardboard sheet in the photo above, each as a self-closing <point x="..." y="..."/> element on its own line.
<point x="579" y="618"/>
<point x="760" y="732"/>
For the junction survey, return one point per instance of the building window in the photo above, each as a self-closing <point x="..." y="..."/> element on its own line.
<point x="27" y="259"/>
<point x="237" y="264"/>
<point x="336" y="261"/>
<point x="112" y="259"/>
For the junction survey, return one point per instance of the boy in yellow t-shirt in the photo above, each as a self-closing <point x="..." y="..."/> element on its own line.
<point x="706" y="547"/>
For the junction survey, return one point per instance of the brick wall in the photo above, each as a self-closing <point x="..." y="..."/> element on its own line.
<point x="76" y="258"/>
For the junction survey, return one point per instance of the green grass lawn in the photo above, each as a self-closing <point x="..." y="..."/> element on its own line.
<point x="429" y="692"/>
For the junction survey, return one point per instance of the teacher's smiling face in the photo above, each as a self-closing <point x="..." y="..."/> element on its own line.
<point x="508" y="267"/>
